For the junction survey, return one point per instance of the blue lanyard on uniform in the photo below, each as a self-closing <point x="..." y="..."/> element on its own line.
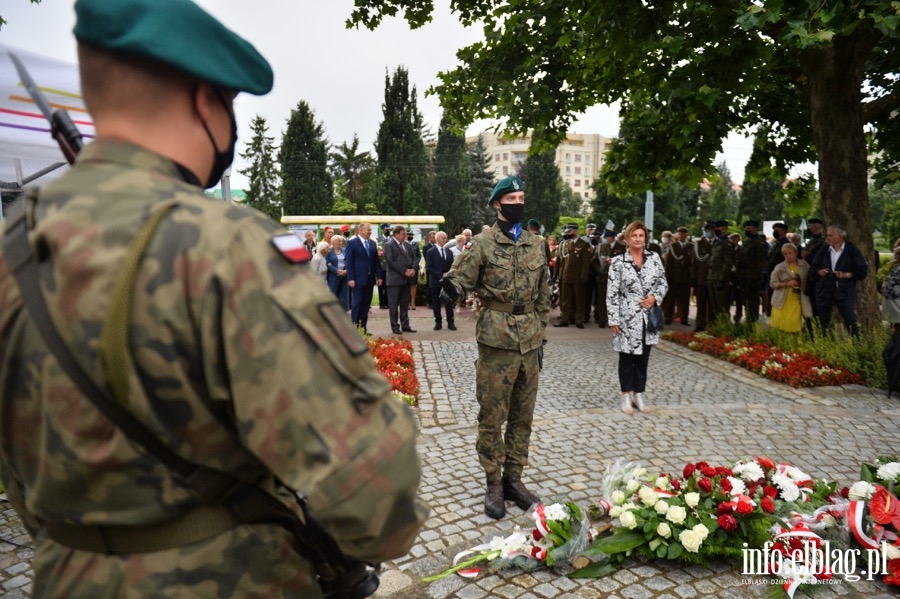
<point x="516" y="230"/>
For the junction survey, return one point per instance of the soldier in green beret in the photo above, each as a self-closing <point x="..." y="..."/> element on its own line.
<point x="507" y="268"/>
<point x="235" y="357"/>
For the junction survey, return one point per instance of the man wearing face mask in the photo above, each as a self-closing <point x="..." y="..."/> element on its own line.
<point x="225" y="348"/>
<point x="506" y="266"/>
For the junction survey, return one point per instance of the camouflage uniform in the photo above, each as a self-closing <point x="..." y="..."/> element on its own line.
<point x="721" y="262"/>
<point x="751" y="258"/>
<point x="243" y="362"/>
<point x="509" y="277"/>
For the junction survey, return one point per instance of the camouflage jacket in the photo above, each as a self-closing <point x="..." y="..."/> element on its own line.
<point x="501" y="270"/>
<point x="721" y="260"/>
<point x="243" y="362"/>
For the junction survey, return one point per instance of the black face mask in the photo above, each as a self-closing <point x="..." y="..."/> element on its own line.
<point x="748" y="232"/>
<point x="512" y="212"/>
<point x="776" y="233"/>
<point x="223" y="158"/>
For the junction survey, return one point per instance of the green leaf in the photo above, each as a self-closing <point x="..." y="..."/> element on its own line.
<point x="675" y="551"/>
<point x="620" y="541"/>
<point x="594" y="570"/>
<point x="661" y="551"/>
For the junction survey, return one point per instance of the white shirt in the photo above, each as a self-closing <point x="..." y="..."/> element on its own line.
<point x="835" y="255"/>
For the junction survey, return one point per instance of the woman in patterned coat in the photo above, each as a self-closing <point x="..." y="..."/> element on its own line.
<point x="637" y="281"/>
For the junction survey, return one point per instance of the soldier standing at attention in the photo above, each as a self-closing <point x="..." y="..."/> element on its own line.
<point x="603" y="256"/>
<point x="700" y="274"/>
<point x="752" y="256"/>
<point x="234" y="356"/>
<point x="573" y="276"/>
<point x="721" y="262"/>
<point x="677" y="262"/>
<point x="507" y="267"/>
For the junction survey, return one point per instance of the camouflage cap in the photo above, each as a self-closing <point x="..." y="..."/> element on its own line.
<point x="178" y="33"/>
<point x="510" y="184"/>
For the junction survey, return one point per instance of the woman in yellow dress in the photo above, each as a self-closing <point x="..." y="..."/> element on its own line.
<point x="790" y="304"/>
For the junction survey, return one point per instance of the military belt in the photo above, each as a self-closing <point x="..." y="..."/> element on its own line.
<point x="198" y="524"/>
<point x="509" y="308"/>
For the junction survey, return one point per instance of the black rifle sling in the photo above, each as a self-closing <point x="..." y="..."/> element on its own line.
<point x="249" y="503"/>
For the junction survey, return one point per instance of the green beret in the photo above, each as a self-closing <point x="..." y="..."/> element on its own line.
<point x="508" y="185"/>
<point x="533" y="223"/>
<point x="751" y="223"/>
<point x="178" y="33"/>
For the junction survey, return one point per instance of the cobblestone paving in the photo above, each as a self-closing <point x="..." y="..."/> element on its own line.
<point x="702" y="409"/>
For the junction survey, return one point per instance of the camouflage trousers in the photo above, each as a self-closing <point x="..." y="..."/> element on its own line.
<point x="506" y="384"/>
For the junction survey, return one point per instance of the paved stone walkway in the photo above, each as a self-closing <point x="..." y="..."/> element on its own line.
<point x="702" y="409"/>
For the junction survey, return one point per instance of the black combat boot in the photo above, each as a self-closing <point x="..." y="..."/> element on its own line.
<point x="514" y="490"/>
<point x="493" y="501"/>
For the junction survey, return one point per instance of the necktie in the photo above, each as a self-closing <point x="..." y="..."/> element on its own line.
<point x="368" y="243"/>
<point x="402" y="248"/>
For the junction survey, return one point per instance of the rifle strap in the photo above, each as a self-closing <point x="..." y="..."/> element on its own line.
<point x="224" y="500"/>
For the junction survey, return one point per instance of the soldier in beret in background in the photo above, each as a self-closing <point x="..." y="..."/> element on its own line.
<point x="236" y="358"/>
<point x="507" y="268"/>
<point x="700" y="275"/>
<point x="751" y="269"/>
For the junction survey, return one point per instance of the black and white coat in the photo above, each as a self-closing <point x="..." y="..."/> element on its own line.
<point x="626" y="289"/>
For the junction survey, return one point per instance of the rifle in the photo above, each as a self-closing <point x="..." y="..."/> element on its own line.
<point x="62" y="128"/>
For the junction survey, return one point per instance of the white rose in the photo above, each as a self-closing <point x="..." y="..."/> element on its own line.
<point x="861" y="490"/>
<point x="663" y="530"/>
<point x="662" y="482"/>
<point x="661" y="507"/>
<point x="618" y="497"/>
<point x="632" y="486"/>
<point x="701" y="530"/>
<point x="615" y="511"/>
<point x="628" y="520"/>
<point x="692" y="499"/>
<point x="676" y="514"/>
<point x="648" y="496"/>
<point x="691" y="540"/>
<point x="638" y="472"/>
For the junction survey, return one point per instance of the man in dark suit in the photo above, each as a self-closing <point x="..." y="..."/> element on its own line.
<point x="401" y="270"/>
<point x="438" y="260"/>
<point x="363" y="273"/>
<point x="837" y="268"/>
<point x="383" y="240"/>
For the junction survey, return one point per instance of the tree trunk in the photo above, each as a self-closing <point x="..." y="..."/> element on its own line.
<point x="835" y="76"/>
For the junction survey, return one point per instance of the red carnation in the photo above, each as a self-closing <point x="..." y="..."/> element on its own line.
<point x="676" y="484"/>
<point x="845" y="492"/>
<point x="705" y="485"/>
<point x="770" y="491"/>
<point x="708" y="471"/>
<point x="726" y="485"/>
<point x="724" y="509"/>
<point x="723" y="471"/>
<point x="688" y="471"/>
<point x="767" y="505"/>
<point x="727" y="522"/>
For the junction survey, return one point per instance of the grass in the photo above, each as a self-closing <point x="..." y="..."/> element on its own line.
<point x="836" y="346"/>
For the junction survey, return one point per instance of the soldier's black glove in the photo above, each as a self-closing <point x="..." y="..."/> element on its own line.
<point x="541" y="355"/>
<point x="449" y="294"/>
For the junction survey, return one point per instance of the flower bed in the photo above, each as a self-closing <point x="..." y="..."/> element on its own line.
<point x="394" y="360"/>
<point x="789" y="367"/>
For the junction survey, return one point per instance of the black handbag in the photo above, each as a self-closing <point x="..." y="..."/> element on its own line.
<point x="655" y="319"/>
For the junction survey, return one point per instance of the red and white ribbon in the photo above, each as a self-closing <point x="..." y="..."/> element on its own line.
<point x="855" y="517"/>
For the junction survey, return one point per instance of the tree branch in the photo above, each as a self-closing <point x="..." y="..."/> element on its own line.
<point x="881" y="107"/>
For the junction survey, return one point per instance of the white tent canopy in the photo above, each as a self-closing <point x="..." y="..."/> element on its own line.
<point x="27" y="151"/>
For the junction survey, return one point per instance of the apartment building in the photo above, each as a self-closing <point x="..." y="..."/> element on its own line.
<point x="579" y="157"/>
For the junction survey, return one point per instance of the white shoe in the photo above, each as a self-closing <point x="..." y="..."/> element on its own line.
<point x="626" y="402"/>
<point x="639" y="403"/>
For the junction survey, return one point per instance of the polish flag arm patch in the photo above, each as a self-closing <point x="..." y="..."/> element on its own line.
<point x="292" y="247"/>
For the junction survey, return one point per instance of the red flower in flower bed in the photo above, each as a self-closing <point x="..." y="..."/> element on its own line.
<point x="394" y="360"/>
<point x="792" y="368"/>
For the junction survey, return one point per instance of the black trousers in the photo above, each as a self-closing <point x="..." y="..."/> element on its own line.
<point x="435" y="293"/>
<point x="844" y="304"/>
<point x="633" y="371"/>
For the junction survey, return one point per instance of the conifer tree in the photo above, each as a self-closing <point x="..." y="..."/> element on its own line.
<point x="402" y="167"/>
<point x="262" y="193"/>
<point x="353" y="171"/>
<point x="543" y="188"/>
<point x="481" y="183"/>
<point x="450" y="190"/>
<point x="306" y="185"/>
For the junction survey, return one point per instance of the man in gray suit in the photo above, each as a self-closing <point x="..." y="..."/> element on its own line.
<point x="401" y="270"/>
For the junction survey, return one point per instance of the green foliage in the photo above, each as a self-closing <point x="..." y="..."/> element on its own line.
<point x="263" y="193"/>
<point x="353" y="170"/>
<point x="890" y="222"/>
<point x="607" y="205"/>
<point x="481" y="183"/>
<point x="720" y="200"/>
<point x="543" y="188"/>
<point x="402" y="167"/>
<point x="306" y="188"/>
<point x="450" y="193"/>
<point x="569" y="202"/>
<point x="840" y="349"/>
